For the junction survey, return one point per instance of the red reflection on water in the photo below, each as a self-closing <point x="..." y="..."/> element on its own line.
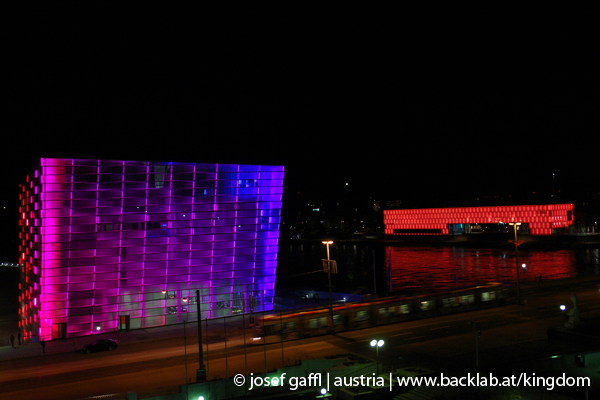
<point x="444" y="267"/>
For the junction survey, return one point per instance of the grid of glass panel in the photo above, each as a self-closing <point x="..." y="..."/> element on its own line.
<point x="103" y="242"/>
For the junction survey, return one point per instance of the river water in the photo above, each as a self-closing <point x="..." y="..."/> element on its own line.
<point x="365" y="267"/>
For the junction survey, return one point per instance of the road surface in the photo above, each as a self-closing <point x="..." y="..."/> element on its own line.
<point x="509" y="334"/>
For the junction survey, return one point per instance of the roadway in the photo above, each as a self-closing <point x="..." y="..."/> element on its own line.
<point x="152" y="363"/>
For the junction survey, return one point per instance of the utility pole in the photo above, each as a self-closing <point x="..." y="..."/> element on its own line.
<point x="374" y="276"/>
<point x="185" y="353"/>
<point x="201" y="371"/>
<point x="390" y="270"/>
<point x="477" y="336"/>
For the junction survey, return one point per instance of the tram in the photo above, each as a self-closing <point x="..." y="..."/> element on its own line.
<point x="273" y="328"/>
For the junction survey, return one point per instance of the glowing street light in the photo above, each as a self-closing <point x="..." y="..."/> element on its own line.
<point x="517" y="243"/>
<point x="328" y="242"/>
<point x="377" y="344"/>
<point x="515" y="224"/>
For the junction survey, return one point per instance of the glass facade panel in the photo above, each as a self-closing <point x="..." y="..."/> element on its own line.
<point x="105" y="238"/>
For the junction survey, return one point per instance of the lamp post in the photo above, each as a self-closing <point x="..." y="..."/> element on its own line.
<point x="185" y="354"/>
<point x="328" y="242"/>
<point x="515" y="224"/>
<point x="201" y="371"/>
<point x="377" y="344"/>
<point x="517" y="243"/>
<point x="477" y="336"/>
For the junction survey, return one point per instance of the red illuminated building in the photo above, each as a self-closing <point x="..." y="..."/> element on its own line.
<point x="535" y="219"/>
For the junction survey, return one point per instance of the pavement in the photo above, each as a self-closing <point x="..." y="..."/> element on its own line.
<point x="293" y="301"/>
<point x="27" y="350"/>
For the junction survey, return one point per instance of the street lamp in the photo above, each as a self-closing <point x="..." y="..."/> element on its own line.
<point x="515" y="224"/>
<point x="201" y="371"/>
<point x="377" y="344"/>
<point x="328" y="242"/>
<point x="517" y="243"/>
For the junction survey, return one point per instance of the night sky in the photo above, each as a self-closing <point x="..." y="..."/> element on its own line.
<point x="403" y="108"/>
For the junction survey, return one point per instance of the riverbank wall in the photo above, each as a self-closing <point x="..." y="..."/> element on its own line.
<point x="492" y="240"/>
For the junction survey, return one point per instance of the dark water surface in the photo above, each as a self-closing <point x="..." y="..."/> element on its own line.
<point x="364" y="267"/>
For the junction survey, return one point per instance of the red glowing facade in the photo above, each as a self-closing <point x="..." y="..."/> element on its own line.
<point x="540" y="219"/>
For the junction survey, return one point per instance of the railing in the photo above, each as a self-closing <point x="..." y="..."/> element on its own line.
<point x="143" y="394"/>
<point x="6" y="341"/>
<point x="545" y="278"/>
<point x="164" y="391"/>
<point x="113" y="396"/>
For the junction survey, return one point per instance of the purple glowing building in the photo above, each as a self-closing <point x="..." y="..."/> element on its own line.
<point x="108" y="245"/>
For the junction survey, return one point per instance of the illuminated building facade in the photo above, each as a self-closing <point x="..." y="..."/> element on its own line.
<point x="538" y="219"/>
<point x="108" y="245"/>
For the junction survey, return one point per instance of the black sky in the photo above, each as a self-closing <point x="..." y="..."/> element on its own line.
<point x="401" y="105"/>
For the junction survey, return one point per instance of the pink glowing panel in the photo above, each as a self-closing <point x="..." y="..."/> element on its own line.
<point x="538" y="219"/>
<point x="114" y="244"/>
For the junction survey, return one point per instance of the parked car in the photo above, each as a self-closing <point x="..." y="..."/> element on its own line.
<point x="100" y="345"/>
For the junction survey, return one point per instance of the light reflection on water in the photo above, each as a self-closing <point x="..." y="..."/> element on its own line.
<point x="439" y="268"/>
<point x="362" y="267"/>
